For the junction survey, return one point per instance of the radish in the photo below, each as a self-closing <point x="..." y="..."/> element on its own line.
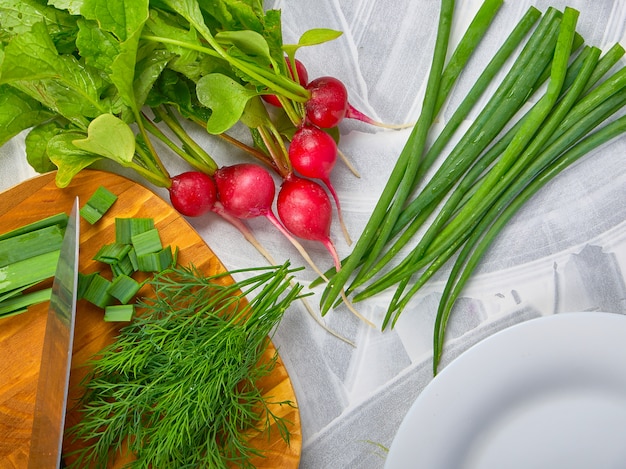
<point x="313" y="154"/>
<point x="303" y="79"/>
<point x="306" y="211"/>
<point x="247" y="190"/>
<point x="192" y="193"/>
<point x="328" y="105"/>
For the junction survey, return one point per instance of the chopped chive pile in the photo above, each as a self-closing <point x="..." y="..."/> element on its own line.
<point x="30" y="253"/>
<point x="137" y="248"/>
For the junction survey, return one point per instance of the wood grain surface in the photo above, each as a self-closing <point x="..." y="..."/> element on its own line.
<point x="21" y="336"/>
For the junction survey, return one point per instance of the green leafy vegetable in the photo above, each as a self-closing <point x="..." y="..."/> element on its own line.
<point x="99" y="142"/>
<point x="225" y="97"/>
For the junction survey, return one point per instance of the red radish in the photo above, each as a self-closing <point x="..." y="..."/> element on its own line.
<point x="303" y="79"/>
<point x="247" y="190"/>
<point x="192" y="193"/>
<point x="306" y="211"/>
<point x="328" y="103"/>
<point x="313" y="154"/>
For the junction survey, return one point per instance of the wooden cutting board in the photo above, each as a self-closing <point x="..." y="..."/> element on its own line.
<point x="21" y="336"/>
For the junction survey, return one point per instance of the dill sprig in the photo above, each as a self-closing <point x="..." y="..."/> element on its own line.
<point x="178" y="386"/>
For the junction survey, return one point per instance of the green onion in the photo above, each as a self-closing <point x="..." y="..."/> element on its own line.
<point x="515" y="150"/>
<point x="124" y="266"/>
<point x="28" y="256"/>
<point x="507" y="100"/>
<point x="155" y="261"/>
<point x="485" y="234"/>
<point x="147" y="242"/>
<point x="30" y="244"/>
<point x="407" y="163"/>
<point x="123" y="288"/>
<point x="83" y="283"/>
<point x="119" y="313"/>
<point x="97" y="291"/>
<point x="97" y="205"/>
<point x="20" y="303"/>
<point x="28" y="271"/>
<point x="125" y="228"/>
<point x="493" y="168"/>
<point x="424" y="205"/>
<point x="60" y="220"/>
<point x="112" y="253"/>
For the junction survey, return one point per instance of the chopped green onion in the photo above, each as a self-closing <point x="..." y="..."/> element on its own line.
<point x="124" y="288"/>
<point x="30" y="244"/>
<point x="97" y="205"/>
<point x="21" y="302"/>
<point x="28" y="271"/>
<point x="97" y="292"/>
<point x="124" y="266"/>
<point x="119" y="313"/>
<point x="147" y="242"/>
<point x="125" y="228"/>
<point x="83" y="283"/>
<point x="156" y="261"/>
<point x="112" y="253"/>
<point x="132" y="257"/>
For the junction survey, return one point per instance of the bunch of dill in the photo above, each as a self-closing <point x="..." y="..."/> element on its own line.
<point x="178" y="386"/>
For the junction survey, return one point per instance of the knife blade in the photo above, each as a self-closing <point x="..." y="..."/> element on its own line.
<point x="53" y="383"/>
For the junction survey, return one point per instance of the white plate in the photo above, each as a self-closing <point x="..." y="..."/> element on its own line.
<point x="547" y="393"/>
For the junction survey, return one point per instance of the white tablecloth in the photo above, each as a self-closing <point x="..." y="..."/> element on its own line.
<point x="564" y="251"/>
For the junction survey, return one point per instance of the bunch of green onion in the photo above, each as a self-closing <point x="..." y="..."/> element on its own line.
<point x="497" y="165"/>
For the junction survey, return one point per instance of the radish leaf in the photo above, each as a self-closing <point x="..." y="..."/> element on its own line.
<point x="249" y="42"/>
<point x="68" y="158"/>
<point x="125" y="22"/>
<point x="225" y="97"/>
<point x="32" y="64"/>
<point x="37" y="145"/>
<point x="99" y="139"/>
<point x="312" y="37"/>
<point x="18" y="112"/>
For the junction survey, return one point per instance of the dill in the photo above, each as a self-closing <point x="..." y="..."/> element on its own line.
<point x="178" y="386"/>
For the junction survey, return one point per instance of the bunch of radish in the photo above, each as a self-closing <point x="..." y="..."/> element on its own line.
<point x="247" y="190"/>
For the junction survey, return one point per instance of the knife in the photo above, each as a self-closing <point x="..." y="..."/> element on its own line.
<point x="52" y="386"/>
